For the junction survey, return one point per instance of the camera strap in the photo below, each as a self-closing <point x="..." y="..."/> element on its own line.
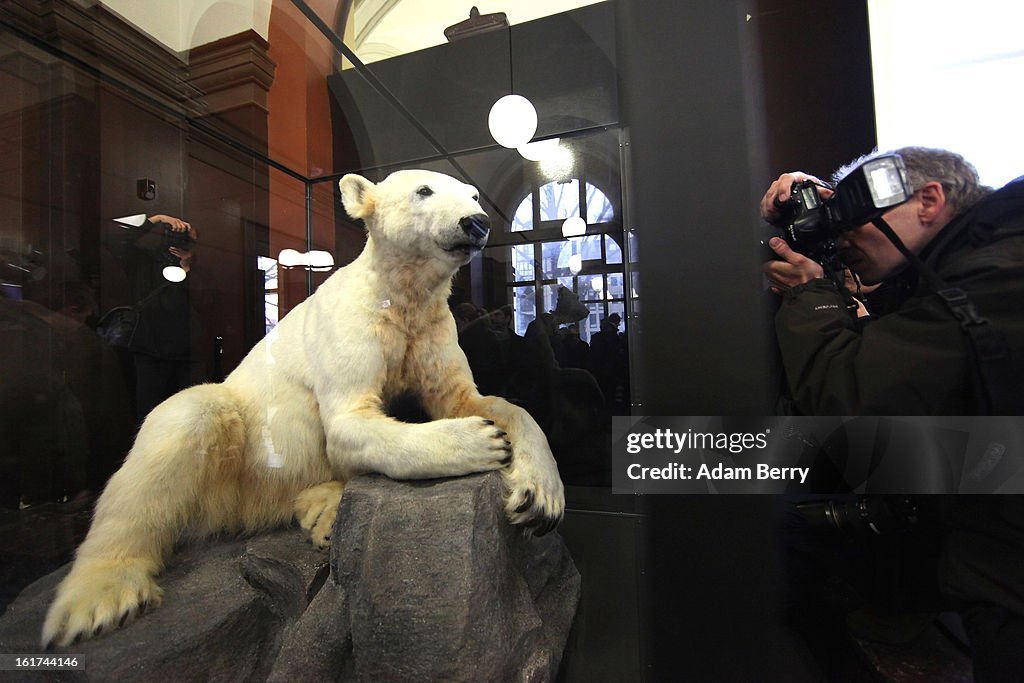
<point x="989" y="353"/>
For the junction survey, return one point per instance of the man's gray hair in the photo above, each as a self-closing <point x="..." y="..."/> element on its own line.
<point x="958" y="177"/>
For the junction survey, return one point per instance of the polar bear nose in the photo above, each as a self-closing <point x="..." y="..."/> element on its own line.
<point x="477" y="227"/>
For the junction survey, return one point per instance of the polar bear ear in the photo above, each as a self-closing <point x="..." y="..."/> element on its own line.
<point x="357" y="194"/>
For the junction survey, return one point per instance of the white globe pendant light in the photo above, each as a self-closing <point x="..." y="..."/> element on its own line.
<point x="512" y="121"/>
<point x="574" y="226"/>
<point x="540" y="150"/>
<point x="289" y="258"/>
<point x="320" y="260"/>
<point x="174" y="273"/>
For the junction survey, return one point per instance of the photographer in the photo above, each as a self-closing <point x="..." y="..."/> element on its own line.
<point x="915" y="359"/>
<point x="158" y="253"/>
<point x="915" y="356"/>
<point x="161" y="347"/>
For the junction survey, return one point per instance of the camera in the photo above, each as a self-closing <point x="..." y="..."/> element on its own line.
<point x="171" y="238"/>
<point x="174" y="269"/>
<point x="810" y="224"/>
<point x="861" y="516"/>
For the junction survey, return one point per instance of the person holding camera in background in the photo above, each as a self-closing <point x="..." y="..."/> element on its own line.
<point x="949" y="341"/>
<point x="162" y="347"/>
<point x="157" y="252"/>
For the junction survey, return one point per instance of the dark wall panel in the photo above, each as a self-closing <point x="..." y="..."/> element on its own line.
<point x="714" y="112"/>
<point x="683" y="94"/>
<point x="564" y="64"/>
<point x="818" y="97"/>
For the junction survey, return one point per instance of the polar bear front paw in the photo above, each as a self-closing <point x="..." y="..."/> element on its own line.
<point x="465" y="446"/>
<point x="99" y="596"/>
<point x="536" y="496"/>
<point x="316" y="509"/>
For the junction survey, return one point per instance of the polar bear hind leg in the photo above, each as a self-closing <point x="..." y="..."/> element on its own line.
<point x="316" y="509"/>
<point x="183" y="469"/>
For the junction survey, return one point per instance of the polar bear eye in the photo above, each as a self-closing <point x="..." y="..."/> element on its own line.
<point x="424" y="191"/>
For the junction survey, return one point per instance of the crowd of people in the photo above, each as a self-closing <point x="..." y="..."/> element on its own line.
<point x="568" y="385"/>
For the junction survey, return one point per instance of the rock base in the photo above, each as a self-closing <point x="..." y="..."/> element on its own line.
<point x="425" y="581"/>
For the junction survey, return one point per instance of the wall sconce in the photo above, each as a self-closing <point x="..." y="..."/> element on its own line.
<point x="145" y="188"/>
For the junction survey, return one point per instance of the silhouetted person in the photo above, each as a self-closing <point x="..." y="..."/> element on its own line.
<point x="478" y="342"/>
<point x="609" y="362"/>
<point x="575" y="351"/>
<point x="161" y="344"/>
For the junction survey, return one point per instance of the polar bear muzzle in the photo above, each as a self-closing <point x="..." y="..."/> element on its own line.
<point x="477" y="227"/>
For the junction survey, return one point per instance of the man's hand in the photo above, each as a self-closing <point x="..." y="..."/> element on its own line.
<point x="177" y="225"/>
<point x="780" y="192"/>
<point x="184" y="257"/>
<point x="794" y="269"/>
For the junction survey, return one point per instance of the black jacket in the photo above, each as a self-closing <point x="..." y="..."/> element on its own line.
<point x="914" y="360"/>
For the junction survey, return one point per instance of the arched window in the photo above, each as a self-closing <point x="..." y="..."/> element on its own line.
<point x="558" y="201"/>
<point x="591" y="265"/>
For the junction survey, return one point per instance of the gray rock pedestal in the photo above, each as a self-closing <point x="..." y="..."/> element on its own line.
<point x="427" y="582"/>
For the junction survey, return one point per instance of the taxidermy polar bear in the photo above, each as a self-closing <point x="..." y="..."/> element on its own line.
<point x="306" y="410"/>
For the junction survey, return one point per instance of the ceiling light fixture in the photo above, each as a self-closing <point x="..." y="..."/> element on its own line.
<point x="174" y="273"/>
<point x="513" y="118"/>
<point x="574" y="226"/>
<point x="316" y="260"/>
<point x="539" y="150"/>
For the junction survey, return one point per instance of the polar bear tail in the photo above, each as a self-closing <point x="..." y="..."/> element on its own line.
<point x="182" y="474"/>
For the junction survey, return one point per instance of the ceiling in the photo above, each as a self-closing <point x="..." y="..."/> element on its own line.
<point x="388" y="28"/>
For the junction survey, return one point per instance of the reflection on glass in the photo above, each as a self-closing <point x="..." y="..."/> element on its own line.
<point x="550" y="293"/>
<point x="524" y="307"/>
<point x="559" y="200"/>
<point x="599" y="207"/>
<point x="612" y="250"/>
<point x="555" y="257"/>
<point x="591" y="288"/>
<point x="523" y="219"/>
<point x="615" y="286"/>
<point x="522" y="263"/>
<point x="249" y="163"/>
<point x="270" y="310"/>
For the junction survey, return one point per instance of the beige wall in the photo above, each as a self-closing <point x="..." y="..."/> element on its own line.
<point x="183" y="24"/>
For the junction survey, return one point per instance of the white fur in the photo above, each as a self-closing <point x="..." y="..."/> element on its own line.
<point x="304" y="412"/>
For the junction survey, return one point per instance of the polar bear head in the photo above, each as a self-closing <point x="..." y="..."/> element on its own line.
<point x="422" y="213"/>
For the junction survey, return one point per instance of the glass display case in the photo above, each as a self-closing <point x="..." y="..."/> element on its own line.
<point x="172" y="193"/>
<point x="169" y="193"/>
<point x="246" y="135"/>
